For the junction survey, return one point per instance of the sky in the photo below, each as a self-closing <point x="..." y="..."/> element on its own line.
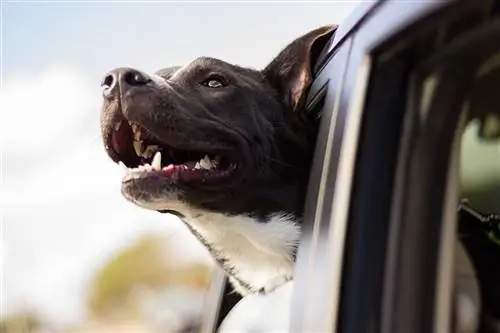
<point x="62" y="212"/>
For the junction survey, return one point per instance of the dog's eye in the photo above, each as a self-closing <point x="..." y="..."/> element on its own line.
<point x="214" y="82"/>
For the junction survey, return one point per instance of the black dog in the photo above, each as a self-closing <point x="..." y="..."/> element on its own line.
<point x="226" y="148"/>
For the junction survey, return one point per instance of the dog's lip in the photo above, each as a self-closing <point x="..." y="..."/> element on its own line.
<point x="179" y="174"/>
<point x="115" y="142"/>
<point x="121" y="131"/>
<point x="188" y="173"/>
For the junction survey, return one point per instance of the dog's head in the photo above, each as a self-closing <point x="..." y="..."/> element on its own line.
<point x="213" y="135"/>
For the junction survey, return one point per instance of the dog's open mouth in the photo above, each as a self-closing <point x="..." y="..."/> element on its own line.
<point x="142" y="155"/>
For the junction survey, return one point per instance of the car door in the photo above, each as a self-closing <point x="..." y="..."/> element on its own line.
<point x="377" y="252"/>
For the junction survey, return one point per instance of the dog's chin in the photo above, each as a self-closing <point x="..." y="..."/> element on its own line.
<point x="165" y="192"/>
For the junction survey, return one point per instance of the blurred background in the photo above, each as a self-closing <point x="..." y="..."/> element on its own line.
<point x="74" y="255"/>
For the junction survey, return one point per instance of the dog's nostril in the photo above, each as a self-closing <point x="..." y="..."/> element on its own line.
<point x="135" y="78"/>
<point x="121" y="79"/>
<point x="108" y="81"/>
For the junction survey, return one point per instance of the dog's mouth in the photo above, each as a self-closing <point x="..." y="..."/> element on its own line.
<point x="142" y="155"/>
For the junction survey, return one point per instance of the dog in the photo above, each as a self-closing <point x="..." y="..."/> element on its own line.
<point x="228" y="149"/>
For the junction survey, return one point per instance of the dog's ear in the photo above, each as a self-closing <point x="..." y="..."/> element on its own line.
<point x="290" y="73"/>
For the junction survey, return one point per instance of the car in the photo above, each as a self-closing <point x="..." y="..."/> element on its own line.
<point x="408" y="97"/>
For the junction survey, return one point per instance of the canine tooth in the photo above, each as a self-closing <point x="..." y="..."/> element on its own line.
<point x="123" y="166"/>
<point x="197" y="166"/>
<point x="138" y="147"/>
<point x="156" y="164"/>
<point x="137" y="135"/>
<point x="137" y="131"/>
<point x="117" y="126"/>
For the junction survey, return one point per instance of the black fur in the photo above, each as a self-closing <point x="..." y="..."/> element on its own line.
<point x="257" y="121"/>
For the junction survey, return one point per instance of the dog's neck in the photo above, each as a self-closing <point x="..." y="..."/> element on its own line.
<point x="257" y="255"/>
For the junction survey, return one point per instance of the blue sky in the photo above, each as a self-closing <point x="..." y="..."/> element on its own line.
<point x="54" y="56"/>
<point x="98" y="36"/>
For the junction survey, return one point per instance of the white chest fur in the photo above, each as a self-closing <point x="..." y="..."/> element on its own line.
<point x="258" y="256"/>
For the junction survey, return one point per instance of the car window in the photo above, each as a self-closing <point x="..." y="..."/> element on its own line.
<point x="478" y="286"/>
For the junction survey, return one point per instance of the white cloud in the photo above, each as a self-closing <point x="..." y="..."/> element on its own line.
<point x="35" y="110"/>
<point x="62" y="221"/>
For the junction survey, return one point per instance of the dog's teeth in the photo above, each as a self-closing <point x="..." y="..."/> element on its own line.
<point x="197" y="166"/>
<point x="156" y="164"/>
<point x="137" y="131"/>
<point x="144" y="167"/>
<point x="138" y="147"/>
<point x="150" y="151"/>
<point x="206" y="163"/>
<point x="123" y="166"/>
<point x="117" y="126"/>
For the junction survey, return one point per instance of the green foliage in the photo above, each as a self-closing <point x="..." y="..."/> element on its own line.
<point x="20" y="323"/>
<point x="144" y="264"/>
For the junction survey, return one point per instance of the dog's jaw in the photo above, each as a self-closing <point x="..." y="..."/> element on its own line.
<point x="257" y="255"/>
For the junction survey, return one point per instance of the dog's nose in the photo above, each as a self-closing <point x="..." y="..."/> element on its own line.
<point x="122" y="78"/>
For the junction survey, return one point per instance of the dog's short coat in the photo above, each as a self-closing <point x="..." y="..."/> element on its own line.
<point x="226" y="148"/>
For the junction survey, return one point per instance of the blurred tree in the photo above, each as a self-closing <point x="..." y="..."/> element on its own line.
<point x="145" y="263"/>
<point x="27" y="322"/>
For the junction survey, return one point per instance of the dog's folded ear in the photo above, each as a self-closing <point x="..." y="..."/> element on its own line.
<point x="290" y="73"/>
